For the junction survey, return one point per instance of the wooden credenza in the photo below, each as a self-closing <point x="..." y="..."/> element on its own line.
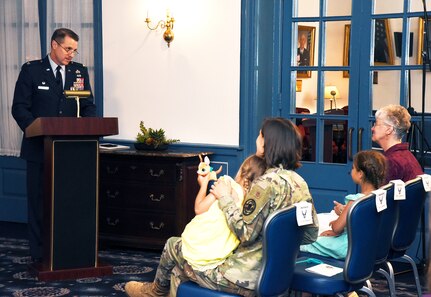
<point x="145" y="197"/>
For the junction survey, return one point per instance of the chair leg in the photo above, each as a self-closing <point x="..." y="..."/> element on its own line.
<point x="367" y="291"/>
<point x="415" y="273"/>
<point x="390" y="270"/>
<point x="391" y="281"/>
<point x="368" y="282"/>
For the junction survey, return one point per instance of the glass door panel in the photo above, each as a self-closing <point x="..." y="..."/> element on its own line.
<point x="385" y="88"/>
<point x="421" y="45"/>
<point x="410" y="43"/>
<point x="335" y="140"/>
<point x="306" y="92"/>
<point x="306" y="49"/>
<point x="383" y="49"/>
<point x="305" y="126"/>
<point x="385" y="6"/>
<point x="336" y="91"/>
<point x="338" y="7"/>
<point x="416" y="90"/>
<point x="336" y="42"/>
<point x="306" y="8"/>
<point x="417" y="5"/>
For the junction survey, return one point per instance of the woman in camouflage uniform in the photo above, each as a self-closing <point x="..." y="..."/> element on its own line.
<point x="279" y="144"/>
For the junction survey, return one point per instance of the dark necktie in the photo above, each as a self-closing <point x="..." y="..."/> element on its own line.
<point x="58" y="77"/>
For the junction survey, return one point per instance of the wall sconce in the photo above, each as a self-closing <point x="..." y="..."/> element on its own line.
<point x="168" y="36"/>
<point x="331" y="93"/>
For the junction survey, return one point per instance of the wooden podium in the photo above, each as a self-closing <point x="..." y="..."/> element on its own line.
<point x="71" y="195"/>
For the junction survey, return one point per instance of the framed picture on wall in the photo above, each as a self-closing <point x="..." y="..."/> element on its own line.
<point x="346" y="50"/>
<point x="383" y="46"/>
<point x="305" y="51"/>
<point x="421" y="44"/>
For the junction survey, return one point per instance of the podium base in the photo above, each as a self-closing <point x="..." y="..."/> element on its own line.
<point x="44" y="274"/>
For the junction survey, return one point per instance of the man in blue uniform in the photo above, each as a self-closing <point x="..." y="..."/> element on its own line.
<point x="39" y="93"/>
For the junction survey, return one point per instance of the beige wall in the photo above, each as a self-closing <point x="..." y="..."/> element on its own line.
<point x="190" y="89"/>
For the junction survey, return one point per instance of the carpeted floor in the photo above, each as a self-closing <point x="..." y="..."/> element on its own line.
<point x="16" y="281"/>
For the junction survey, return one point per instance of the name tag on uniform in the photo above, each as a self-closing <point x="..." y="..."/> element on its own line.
<point x="43" y="87"/>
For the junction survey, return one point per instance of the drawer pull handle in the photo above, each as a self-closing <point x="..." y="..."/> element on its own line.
<point x="111" y="171"/>
<point x="161" y="225"/>
<point x="109" y="195"/>
<point x="161" y="172"/>
<point x="112" y="222"/>
<point x="153" y="198"/>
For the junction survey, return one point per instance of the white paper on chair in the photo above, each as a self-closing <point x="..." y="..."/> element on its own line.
<point x="324" y="269"/>
<point x="426" y="181"/>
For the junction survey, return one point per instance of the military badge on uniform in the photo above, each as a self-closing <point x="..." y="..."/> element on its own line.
<point x="78" y="84"/>
<point x="249" y="207"/>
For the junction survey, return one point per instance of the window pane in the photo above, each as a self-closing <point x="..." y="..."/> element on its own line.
<point x="336" y="41"/>
<point x="417" y="5"/>
<point x="335" y="141"/>
<point x="383" y="47"/>
<point x="421" y="46"/>
<point x="416" y="91"/>
<point x="305" y="45"/>
<point x="306" y="92"/>
<point x="336" y="91"/>
<point x="307" y="151"/>
<point x="306" y="8"/>
<point x="385" y="6"/>
<point x="395" y="34"/>
<point x="309" y="139"/>
<point x="411" y="40"/>
<point x="338" y="7"/>
<point x="385" y="88"/>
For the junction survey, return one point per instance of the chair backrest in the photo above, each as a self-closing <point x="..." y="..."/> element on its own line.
<point x="387" y="225"/>
<point x="409" y="214"/>
<point x="363" y="223"/>
<point x="281" y="240"/>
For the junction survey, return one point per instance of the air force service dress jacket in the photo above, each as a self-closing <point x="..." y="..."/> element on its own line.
<point x="37" y="94"/>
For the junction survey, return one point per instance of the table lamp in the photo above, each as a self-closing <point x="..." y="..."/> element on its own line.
<point x="332" y="93"/>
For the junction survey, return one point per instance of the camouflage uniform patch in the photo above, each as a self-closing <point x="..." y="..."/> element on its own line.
<point x="256" y="200"/>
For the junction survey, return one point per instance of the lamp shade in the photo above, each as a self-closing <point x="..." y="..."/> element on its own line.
<point x="331" y="91"/>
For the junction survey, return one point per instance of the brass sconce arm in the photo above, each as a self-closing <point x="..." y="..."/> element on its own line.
<point x="168" y="35"/>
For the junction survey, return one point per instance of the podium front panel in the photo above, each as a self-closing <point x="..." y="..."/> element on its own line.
<point x="74" y="204"/>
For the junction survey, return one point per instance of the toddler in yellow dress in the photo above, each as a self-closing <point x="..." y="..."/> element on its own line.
<point x="207" y="240"/>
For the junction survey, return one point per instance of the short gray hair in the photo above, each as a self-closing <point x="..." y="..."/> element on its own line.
<point x="396" y="116"/>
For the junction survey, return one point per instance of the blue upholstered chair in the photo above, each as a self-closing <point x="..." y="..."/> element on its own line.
<point x="387" y="225"/>
<point x="281" y="240"/>
<point x="363" y="224"/>
<point x="404" y="234"/>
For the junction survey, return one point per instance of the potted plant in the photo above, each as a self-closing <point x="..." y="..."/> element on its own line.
<point x="152" y="139"/>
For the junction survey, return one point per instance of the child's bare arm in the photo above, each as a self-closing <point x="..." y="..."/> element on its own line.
<point x="203" y="201"/>
<point x="339" y="224"/>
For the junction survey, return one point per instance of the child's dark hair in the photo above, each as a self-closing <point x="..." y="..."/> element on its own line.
<point x="251" y="168"/>
<point x="373" y="165"/>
